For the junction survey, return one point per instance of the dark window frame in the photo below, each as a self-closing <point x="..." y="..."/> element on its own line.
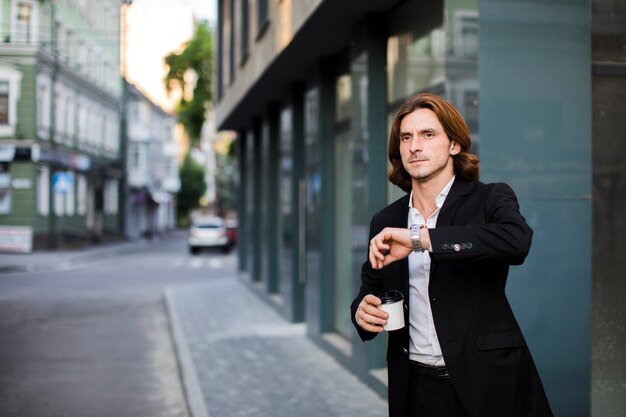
<point x="245" y="42"/>
<point x="263" y="18"/>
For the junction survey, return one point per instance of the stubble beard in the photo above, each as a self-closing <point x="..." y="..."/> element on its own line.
<point x="425" y="174"/>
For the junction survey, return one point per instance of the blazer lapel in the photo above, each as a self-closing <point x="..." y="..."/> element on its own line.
<point x="460" y="188"/>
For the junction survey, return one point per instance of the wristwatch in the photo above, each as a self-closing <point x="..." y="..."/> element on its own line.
<point x="415" y="237"/>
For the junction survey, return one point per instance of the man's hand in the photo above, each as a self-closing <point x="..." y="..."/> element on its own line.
<point x="369" y="316"/>
<point x="390" y="245"/>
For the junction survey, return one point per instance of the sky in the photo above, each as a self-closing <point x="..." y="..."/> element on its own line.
<point x="205" y="9"/>
<point x="155" y="29"/>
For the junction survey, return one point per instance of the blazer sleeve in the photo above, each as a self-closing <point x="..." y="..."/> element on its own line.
<point x="503" y="236"/>
<point x="370" y="284"/>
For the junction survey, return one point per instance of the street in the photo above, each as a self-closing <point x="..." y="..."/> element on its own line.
<point x="92" y="338"/>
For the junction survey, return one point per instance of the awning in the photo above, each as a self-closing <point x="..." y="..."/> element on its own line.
<point x="160" y="197"/>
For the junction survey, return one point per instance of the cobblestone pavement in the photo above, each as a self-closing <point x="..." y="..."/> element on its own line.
<point x="240" y="358"/>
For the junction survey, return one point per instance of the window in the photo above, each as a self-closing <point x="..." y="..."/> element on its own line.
<point x="111" y="197"/>
<point x="82" y="6"/>
<point x="60" y="38"/>
<point x="231" y="41"/>
<point x="10" y="90"/>
<point x="244" y="31"/>
<point x="70" y="196"/>
<point x="466" y="33"/>
<point x="69" y="39"/>
<point x="70" y="122"/>
<point x="82" y="55"/>
<point x="167" y="133"/>
<point x="5" y="189"/>
<point x="134" y="157"/>
<point x="82" y="121"/>
<point x="92" y="131"/>
<point x="43" y="106"/>
<point x="102" y="129"/>
<point x="81" y="191"/>
<point x="115" y="135"/>
<point x="4" y="102"/>
<point x="24" y="23"/>
<point x="171" y="170"/>
<point x="59" y="117"/>
<point x="135" y="112"/>
<point x="89" y="62"/>
<point x="167" y="166"/>
<point x="43" y="191"/>
<point x="45" y="37"/>
<point x="100" y="119"/>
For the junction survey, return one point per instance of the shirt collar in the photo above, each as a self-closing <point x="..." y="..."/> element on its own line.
<point x="440" y="198"/>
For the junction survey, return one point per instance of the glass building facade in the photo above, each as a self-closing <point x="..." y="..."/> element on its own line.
<point x="542" y="86"/>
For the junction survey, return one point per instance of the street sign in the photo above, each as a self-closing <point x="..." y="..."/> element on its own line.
<point x="62" y="182"/>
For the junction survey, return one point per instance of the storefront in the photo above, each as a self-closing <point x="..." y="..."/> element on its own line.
<point x="530" y="83"/>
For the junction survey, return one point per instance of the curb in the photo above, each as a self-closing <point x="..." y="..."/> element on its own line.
<point x="189" y="375"/>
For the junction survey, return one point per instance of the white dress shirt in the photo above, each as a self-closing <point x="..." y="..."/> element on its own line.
<point x="424" y="345"/>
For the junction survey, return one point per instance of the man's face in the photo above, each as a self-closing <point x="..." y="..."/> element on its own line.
<point x="425" y="149"/>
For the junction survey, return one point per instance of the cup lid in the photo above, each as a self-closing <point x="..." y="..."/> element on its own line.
<point x="391" y="296"/>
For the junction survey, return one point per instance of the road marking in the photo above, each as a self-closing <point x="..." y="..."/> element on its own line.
<point x="196" y="263"/>
<point x="215" y="263"/>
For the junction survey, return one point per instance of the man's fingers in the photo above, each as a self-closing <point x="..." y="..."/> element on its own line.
<point x="370" y="299"/>
<point x="370" y="323"/>
<point x="369" y="310"/>
<point x="378" y="250"/>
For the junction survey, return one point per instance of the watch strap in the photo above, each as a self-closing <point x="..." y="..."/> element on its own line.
<point x="415" y="237"/>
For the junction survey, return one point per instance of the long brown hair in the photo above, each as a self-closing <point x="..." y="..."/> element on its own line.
<point x="466" y="164"/>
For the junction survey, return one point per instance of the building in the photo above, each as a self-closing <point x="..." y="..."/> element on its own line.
<point x="310" y="87"/>
<point x="152" y="168"/>
<point x="60" y="94"/>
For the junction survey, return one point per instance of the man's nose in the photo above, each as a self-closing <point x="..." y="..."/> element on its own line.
<point x="416" y="144"/>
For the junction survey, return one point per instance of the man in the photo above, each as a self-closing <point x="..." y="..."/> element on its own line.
<point x="447" y="246"/>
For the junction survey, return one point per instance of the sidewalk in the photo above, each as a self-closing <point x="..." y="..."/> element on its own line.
<point x="240" y="358"/>
<point x="44" y="260"/>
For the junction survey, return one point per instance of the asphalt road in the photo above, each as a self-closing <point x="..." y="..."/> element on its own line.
<point x="93" y="339"/>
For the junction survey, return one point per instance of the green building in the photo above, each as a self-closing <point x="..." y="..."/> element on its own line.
<point x="310" y="87"/>
<point x="60" y="92"/>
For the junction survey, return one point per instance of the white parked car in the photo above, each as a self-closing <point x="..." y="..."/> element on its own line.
<point x="208" y="233"/>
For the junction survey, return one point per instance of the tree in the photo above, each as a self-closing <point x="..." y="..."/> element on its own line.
<point x="194" y="60"/>
<point x="192" y="187"/>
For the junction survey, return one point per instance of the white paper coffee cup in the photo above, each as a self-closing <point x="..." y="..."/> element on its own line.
<point x="393" y="303"/>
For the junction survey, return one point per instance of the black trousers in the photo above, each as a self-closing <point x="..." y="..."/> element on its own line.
<point x="431" y="396"/>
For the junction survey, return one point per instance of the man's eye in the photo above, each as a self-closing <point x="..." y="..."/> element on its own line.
<point x="405" y="138"/>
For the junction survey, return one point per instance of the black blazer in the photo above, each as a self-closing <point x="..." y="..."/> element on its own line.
<point x="479" y="233"/>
